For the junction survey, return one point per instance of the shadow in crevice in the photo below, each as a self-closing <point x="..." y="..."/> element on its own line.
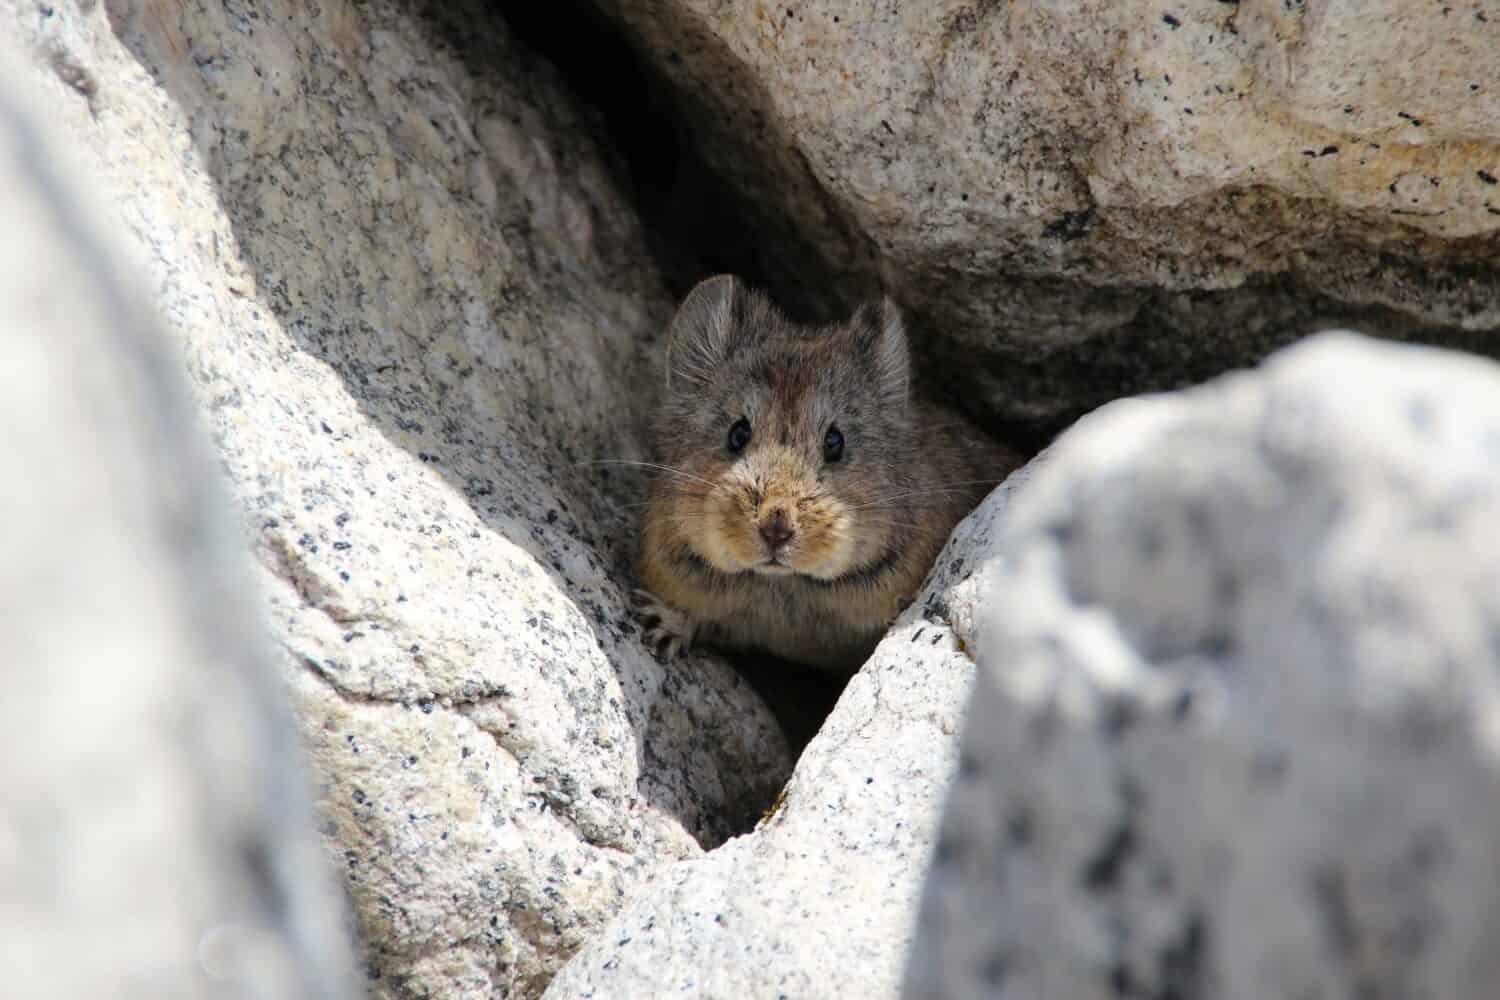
<point x="1146" y="353"/>
<point x="692" y="225"/>
<point x="698" y="221"/>
<point x="800" y="699"/>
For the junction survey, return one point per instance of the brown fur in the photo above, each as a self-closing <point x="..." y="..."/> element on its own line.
<point x="865" y="527"/>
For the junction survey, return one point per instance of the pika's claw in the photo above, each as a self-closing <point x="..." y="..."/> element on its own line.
<point x="668" y="631"/>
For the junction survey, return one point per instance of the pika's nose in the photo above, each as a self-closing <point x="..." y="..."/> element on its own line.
<point x="776" y="529"/>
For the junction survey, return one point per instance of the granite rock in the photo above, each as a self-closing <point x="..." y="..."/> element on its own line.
<point x="416" y="311"/>
<point x="156" y="832"/>
<point x="1236" y="725"/>
<point x="1082" y="201"/>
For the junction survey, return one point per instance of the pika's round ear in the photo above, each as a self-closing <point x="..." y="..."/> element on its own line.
<point x="880" y="338"/>
<point x="701" y="333"/>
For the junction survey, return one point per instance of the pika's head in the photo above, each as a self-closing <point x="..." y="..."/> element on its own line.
<point x="785" y="449"/>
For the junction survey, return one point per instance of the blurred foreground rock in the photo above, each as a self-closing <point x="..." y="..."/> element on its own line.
<point x="156" y="835"/>
<point x="1236" y="732"/>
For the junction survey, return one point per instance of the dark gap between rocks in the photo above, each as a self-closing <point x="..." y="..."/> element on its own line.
<point x="799" y="698"/>
<point x="694" y="224"/>
<point x="695" y="227"/>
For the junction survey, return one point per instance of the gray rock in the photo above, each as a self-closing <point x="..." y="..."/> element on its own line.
<point x="1236" y="725"/>
<point x="818" y="900"/>
<point x="1080" y="201"/>
<point x="416" y="310"/>
<point x="156" y="832"/>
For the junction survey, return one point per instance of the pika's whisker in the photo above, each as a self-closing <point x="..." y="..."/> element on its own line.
<point x="944" y="488"/>
<point x="912" y="525"/>
<point x="686" y="494"/>
<point x="650" y="465"/>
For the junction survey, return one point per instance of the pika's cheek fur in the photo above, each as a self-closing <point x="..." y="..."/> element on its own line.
<point x="823" y="545"/>
<point x="729" y="541"/>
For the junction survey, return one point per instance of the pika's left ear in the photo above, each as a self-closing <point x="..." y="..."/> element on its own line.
<point x="880" y="337"/>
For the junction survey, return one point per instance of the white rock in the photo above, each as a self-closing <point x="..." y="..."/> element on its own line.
<point x="1237" y="727"/>
<point x="415" y="308"/>
<point x="156" y="832"/>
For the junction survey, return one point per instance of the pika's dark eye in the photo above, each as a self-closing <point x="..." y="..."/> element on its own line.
<point x="739" y="436"/>
<point x="833" y="445"/>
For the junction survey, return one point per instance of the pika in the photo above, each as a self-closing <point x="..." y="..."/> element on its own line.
<point x="801" y="493"/>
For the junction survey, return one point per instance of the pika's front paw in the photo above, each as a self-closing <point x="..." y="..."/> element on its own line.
<point x="667" y="630"/>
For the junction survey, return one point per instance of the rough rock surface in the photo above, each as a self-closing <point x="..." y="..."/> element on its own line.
<point x="415" y="308"/>
<point x="1237" y="727"/>
<point x="818" y="901"/>
<point x="1083" y="200"/>
<point x="156" y="832"/>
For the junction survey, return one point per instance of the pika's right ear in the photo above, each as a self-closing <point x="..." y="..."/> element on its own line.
<point x="703" y="330"/>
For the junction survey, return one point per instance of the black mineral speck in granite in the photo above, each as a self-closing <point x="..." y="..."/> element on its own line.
<point x="1106" y="868"/>
<point x="1119" y="717"/>
<point x="994" y="969"/>
<point x="1019" y="828"/>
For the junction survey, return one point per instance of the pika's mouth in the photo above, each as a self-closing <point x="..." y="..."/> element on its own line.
<point x="772" y="568"/>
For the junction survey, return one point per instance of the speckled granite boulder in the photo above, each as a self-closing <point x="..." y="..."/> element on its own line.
<point x="156" y="833"/>
<point x="1082" y="200"/>
<point x="1237" y="728"/>
<point x="818" y="901"/>
<point x="415" y="309"/>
